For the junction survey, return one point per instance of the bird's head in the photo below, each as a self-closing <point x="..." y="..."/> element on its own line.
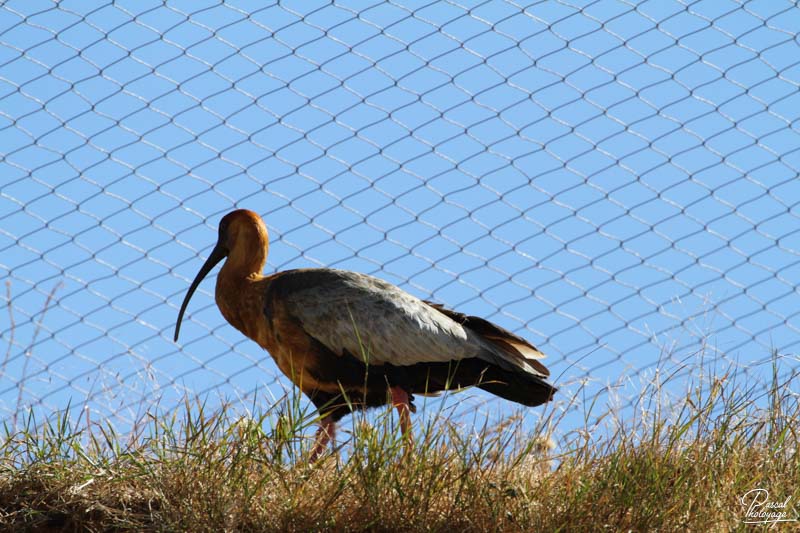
<point x="244" y="240"/>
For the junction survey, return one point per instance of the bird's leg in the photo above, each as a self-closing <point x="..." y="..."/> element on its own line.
<point x="325" y="434"/>
<point x="402" y="402"/>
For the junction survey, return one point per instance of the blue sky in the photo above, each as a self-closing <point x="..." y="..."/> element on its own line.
<point x="616" y="181"/>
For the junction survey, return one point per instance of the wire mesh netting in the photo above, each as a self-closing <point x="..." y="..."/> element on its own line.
<point x="616" y="181"/>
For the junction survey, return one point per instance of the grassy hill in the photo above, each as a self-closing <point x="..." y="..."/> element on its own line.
<point x="686" y="466"/>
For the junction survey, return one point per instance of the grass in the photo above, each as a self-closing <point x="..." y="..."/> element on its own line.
<point x="672" y="465"/>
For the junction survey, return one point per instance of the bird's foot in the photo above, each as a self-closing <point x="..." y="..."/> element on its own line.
<point x="325" y="434"/>
<point x="401" y="400"/>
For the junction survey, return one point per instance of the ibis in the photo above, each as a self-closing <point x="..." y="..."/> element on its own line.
<point x="353" y="341"/>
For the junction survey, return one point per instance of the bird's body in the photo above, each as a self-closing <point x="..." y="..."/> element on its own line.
<point x="349" y="340"/>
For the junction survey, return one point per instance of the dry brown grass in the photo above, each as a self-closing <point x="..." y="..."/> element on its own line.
<point x="219" y="472"/>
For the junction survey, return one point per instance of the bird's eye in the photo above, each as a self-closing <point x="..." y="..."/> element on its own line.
<point x="223" y="230"/>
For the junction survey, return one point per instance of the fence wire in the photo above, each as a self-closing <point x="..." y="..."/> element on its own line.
<point x="614" y="180"/>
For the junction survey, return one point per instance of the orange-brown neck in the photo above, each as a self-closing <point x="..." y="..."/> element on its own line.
<point x="237" y="292"/>
<point x="248" y="245"/>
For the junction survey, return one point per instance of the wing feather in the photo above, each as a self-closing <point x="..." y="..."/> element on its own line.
<point x="371" y="318"/>
<point x="517" y="349"/>
<point x="379" y="323"/>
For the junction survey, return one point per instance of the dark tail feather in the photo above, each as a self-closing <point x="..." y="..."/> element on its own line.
<point x="517" y="387"/>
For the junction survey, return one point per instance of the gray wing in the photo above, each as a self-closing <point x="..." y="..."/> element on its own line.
<point x="380" y="323"/>
<point x="372" y="319"/>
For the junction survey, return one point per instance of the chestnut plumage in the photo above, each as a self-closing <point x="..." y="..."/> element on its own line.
<point x="351" y="341"/>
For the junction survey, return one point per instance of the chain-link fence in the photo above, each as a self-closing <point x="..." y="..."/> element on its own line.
<point x="616" y="181"/>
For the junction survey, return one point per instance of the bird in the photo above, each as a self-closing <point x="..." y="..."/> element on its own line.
<point x="351" y="341"/>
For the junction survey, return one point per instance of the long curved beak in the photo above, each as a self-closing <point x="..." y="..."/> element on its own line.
<point x="217" y="254"/>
